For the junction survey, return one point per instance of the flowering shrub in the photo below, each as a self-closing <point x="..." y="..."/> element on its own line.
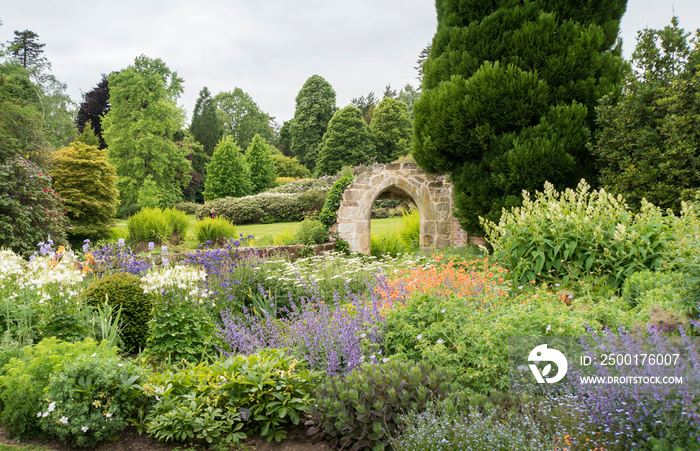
<point x="334" y="339"/>
<point x="24" y="379"/>
<point x="180" y="328"/>
<point x="29" y="207"/>
<point x="592" y="232"/>
<point x="39" y="297"/>
<point x="637" y="413"/>
<point x="88" y="401"/>
<point x="474" y="279"/>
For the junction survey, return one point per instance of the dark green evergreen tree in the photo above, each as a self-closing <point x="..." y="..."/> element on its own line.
<point x="509" y="96"/>
<point x="262" y="170"/>
<point x="315" y="105"/>
<point x="26" y="49"/>
<point x="649" y="140"/>
<point x="205" y="126"/>
<point x="227" y="173"/>
<point x="347" y="142"/>
<point x="392" y="130"/>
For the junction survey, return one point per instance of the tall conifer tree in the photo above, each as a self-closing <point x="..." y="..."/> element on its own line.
<point x="315" y="106"/>
<point x="509" y="96"/>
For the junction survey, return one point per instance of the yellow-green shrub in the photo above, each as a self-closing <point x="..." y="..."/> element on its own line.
<point x="214" y="230"/>
<point x="159" y="226"/>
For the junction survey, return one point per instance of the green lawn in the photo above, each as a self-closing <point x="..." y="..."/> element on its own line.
<point x="259" y="230"/>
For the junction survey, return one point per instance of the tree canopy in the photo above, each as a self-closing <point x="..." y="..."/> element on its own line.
<point x="315" y="106"/>
<point x="228" y="173"/>
<point x="242" y="118"/>
<point x="258" y="157"/>
<point x="392" y="130"/>
<point x="26" y="48"/>
<point x="139" y="130"/>
<point x="83" y="177"/>
<point x="347" y="142"/>
<point x="509" y="92"/>
<point x="206" y="127"/>
<point x="649" y="140"/>
<point x="93" y="108"/>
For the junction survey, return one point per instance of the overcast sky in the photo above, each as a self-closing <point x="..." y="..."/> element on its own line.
<point x="268" y="48"/>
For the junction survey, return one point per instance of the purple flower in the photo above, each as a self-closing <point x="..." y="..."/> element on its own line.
<point x="151" y="246"/>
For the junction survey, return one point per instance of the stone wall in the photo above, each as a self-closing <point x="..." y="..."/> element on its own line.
<point x="432" y="195"/>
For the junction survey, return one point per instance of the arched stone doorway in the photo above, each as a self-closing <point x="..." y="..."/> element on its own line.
<point x="432" y="195"/>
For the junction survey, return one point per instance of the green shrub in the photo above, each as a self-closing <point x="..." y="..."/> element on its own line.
<point x="200" y="403"/>
<point x="158" y="226"/>
<point x="25" y="377"/>
<point x="361" y="409"/>
<point x="95" y="394"/>
<point x="566" y="235"/>
<point x="189" y="208"/>
<point x="329" y="212"/>
<point x="214" y="229"/>
<point x="124" y="290"/>
<point x="311" y="231"/>
<point x="265" y="207"/>
<point x="386" y="243"/>
<point x="289" y="167"/>
<point x="409" y="230"/>
<point x="469" y="335"/>
<point x="125" y="211"/>
<point x="180" y="329"/>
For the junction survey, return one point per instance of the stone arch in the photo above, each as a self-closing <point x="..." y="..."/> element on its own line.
<point x="432" y="195"/>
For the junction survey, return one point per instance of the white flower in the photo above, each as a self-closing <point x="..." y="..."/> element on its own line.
<point x="45" y="414"/>
<point x="84" y="428"/>
<point x="64" y="420"/>
<point x="38" y="415"/>
<point x="443" y="310"/>
<point x="549" y="326"/>
<point x="52" y="406"/>
<point x="439" y="341"/>
<point x="419" y="336"/>
<point x="108" y="414"/>
<point x="385" y="359"/>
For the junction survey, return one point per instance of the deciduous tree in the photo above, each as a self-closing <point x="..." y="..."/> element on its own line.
<point x="242" y="118"/>
<point x="84" y="178"/>
<point x="258" y="157"/>
<point x="139" y="130"/>
<point x="509" y="92"/>
<point x="93" y="108"/>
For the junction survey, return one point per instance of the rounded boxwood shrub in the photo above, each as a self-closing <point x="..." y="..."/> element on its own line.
<point x="361" y="410"/>
<point x="124" y="290"/>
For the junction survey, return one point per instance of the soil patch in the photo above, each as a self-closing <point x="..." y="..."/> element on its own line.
<point x="130" y="440"/>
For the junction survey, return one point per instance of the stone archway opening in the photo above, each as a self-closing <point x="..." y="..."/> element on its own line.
<point x="396" y="217"/>
<point x="431" y="194"/>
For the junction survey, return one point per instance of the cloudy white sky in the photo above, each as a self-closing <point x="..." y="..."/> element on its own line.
<point x="268" y="48"/>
